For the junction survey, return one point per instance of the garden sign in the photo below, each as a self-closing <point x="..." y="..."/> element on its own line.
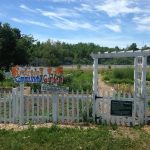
<point x="49" y="77"/>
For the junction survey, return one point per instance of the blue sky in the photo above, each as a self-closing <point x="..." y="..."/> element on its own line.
<point x="103" y="22"/>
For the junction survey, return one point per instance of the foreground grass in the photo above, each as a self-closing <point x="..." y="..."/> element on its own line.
<point x="103" y="137"/>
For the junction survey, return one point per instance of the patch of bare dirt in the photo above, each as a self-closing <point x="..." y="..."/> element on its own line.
<point x="102" y="86"/>
<point x="125" y="132"/>
<point x="146" y="128"/>
<point x="17" y="127"/>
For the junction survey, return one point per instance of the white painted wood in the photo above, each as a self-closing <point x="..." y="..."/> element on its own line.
<point x="38" y="106"/>
<point x="9" y="109"/>
<point x="87" y="104"/>
<point x="68" y="108"/>
<point x="32" y="102"/>
<point x="54" y="108"/>
<point x="95" y="66"/>
<point x="82" y="101"/>
<point x="62" y="107"/>
<point x="42" y="108"/>
<point x="143" y="86"/>
<point x="17" y="106"/>
<point x="5" y="107"/>
<point x="13" y="105"/>
<point x="21" y="104"/>
<point x="27" y="109"/>
<point x="121" y="54"/>
<point x="72" y="106"/>
<point x="77" y="100"/>
<point x="48" y="103"/>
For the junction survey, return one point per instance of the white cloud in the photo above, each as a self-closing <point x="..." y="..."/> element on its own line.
<point x="143" y="23"/>
<point x="64" y="1"/>
<point x="113" y="27"/>
<point x="142" y="20"/>
<point x="58" y="13"/>
<point x="24" y="21"/>
<point x="85" y="7"/>
<point x="60" y="21"/>
<point x="26" y="8"/>
<point x="71" y="25"/>
<point x="117" y="7"/>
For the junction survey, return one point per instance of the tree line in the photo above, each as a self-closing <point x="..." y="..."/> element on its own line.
<point x="21" y="49"/>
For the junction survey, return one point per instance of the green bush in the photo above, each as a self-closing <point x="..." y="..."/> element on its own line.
<point x="123" y="73"/>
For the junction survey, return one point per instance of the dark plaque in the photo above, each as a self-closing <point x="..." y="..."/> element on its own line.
<point x="121" y="108"/>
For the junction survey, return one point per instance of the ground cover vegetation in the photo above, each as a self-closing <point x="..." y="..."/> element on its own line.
<point x="120" y="75"/>
<point x="101" y="137"/>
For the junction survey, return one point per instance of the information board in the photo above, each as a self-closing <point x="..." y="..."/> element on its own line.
<point x="121" y="108"/>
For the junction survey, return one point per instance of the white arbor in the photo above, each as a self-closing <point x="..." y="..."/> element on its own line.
<point x="140" y="63"/>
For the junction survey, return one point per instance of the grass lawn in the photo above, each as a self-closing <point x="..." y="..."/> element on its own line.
<point x="102" y="137"/>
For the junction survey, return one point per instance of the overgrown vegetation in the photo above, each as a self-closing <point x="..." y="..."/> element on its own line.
<point x="118" y="75"/>
<point x="103" y="137"/>
<point x="78" y="80"/>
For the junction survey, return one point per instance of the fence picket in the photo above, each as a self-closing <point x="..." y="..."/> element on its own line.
<point x="13" y="105"/>
<point x="87" y="104"/>
<point x="62" y="108"/>
<point x="21" y="104"/>
<point x="82" y="101"/>
<point x="32" y="101"/>
<point x="37" y="106"/>
<point x="48" y="103"/>
<point x="42" y="107"/>
<point x="5" y="107"/>
<point x="77" y="100"/>
<point x="67" y="108"/>
<point x="72" y="106"/>
<point x="103" y="99"/>
<point x="27" y="109"/>
<point x="9" y="100"/>
<point x="17" y="106"/>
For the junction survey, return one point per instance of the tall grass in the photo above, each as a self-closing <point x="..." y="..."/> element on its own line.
<point x="119" y="75"/>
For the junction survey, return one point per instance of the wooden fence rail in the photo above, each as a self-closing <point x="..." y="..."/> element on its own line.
<point x="15" y="107"/>
<point x="41" y="108"/>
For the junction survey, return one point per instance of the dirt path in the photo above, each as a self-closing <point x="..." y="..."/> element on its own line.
<point x="103" y="86"/>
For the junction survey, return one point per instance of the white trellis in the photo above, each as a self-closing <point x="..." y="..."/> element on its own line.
<point x="140" y="90"/>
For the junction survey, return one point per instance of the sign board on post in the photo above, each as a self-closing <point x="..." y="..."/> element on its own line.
<point x="50" y="78"/>
<point x="121" y="108"/>
<point x="37" y="74"/>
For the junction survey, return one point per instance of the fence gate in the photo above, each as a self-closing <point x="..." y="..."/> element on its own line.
<point x="122" y="108"/>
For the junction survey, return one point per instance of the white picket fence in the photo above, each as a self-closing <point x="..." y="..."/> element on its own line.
<point x="40" y="108"/>
<point x="15" y="107"/>
<point x="103" y="109"/>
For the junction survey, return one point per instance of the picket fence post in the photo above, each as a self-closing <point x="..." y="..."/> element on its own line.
<point x="21" y="104"/>
<point x="54" y="108"/>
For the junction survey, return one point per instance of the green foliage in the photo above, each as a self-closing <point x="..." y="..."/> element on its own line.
<point x="78" y="80"/>
<point x="119" y="75"/>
